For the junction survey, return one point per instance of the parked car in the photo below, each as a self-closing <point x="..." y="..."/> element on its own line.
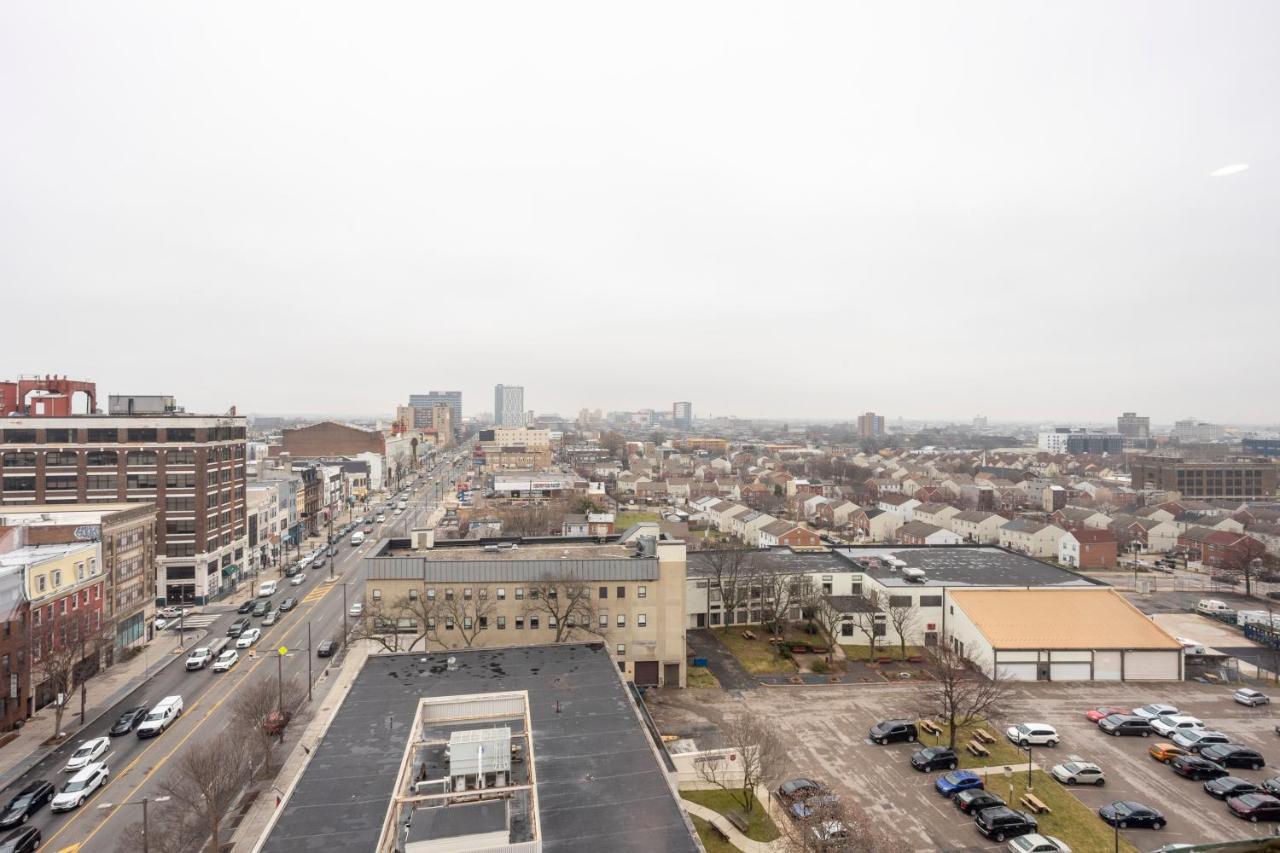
<point x="1249" y="696"/>
<point x="975" y="800"/>
<point x="950" y="784"/>
<point x="128" y="721"/>
<point x="1155" y="709"/>
<point x="1037" y="843"/>
<point x="288" y="604"/>
<point x="245" y="607"/>
<point x="326" y="648"/>
<point x="1166" y="726"/>
<point x="1078" y="773"/>
<point x="1093" y="715"/>
<point x="795" y="790"/>
<point x="1126" y="814"/>
<point x="24" y="840"/>
<point x="226" y="660"/>
<point x="1165" y="752"/>
<point x="1194" y="740"/>
<point x="1234" y="755"/>
<point x="829" y="834"/>
<point x="356" y="609"/>
<point x="26" y="802"/>
<point x="79" y="788"/>
<point x="889" y="731"/>
<point x="248" y="638"/>
<point x="1272" y="786"/>
<point x="1003" y="822"/>
<point x="1197" y="768"/>
<point x="1229" y="786"/>
<point x="173" y="612"/>
<point x="86" y="753"/>
<point x="1122" y="724"/>
<point x="1255" y="807"/>
<point x="806" y="809"/>
<point x="934" y="758"/>
<point x="1037" y="734"/>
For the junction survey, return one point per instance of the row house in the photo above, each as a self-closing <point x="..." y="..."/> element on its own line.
<point x="881" y="525"/>
<point x="1087" y="548"/>
<point x="787" y="533"/>
<point x="978" y="526"/>
<point x="1217" y="548"/>
<point x="1080" y="518"/>
<point x="900" y="505"/>
<point x="938" y="514"/>
<point x="923" y="533"/>
<point x="1155" y="536"/>
<point x="835" y="514"/>
<point x="1187" y="520"/>
<point x="1033" y="538"/>
<point x="651" y="490"/>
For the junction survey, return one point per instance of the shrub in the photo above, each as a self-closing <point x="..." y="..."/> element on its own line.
<point x="819" y="666"/>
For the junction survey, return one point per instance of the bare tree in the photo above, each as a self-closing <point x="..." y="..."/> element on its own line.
<point x="168" y="830"/>
<point x="536" y="520"/>
<point x="731" y="568"/>
<point x="381" y="624"/>
<point x="865" y="619"/>
<point x="960" y="694"/>
<point x="253" y="707"/>
<point x="1245" y="561"/>
<point x="207" y="778"/>
<point x="782" y="593"/>
<point x="834" y="825"/>
<point x="761" y="756"/>
<point x="66" y="654"/>
<point x="570" y="606"/>
<point x="469" y="615"/>
<point x="829" y="617"/>
<point x="904" y="618"/>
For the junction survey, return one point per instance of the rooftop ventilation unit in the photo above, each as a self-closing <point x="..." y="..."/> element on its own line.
<point x="913" y="575"/>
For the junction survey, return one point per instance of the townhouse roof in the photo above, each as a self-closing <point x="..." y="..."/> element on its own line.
<point x="918" y="529"/>
<point x="1092" y="537"/>
<point x="933" y="507"/>
<point x="1096" y="618"/>
<point x="778" y="528"/>
<point x="975" y="516"/>
<point x="1024" y="525"/>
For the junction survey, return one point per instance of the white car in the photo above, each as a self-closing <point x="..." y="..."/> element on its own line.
<point x="356" y="609"/>
<point x="1037" y="843"/>
<point x="297" y="580"/>
<point x="1033" y="734"/>
<point x="381" y="517"/>
<point x="248" y="638"/>
<point x="226" y="660"/>
<point x="173" y="612"/>
<point x="1168" y="726"/>
<point x="87" y="753"/>
<point x="1078" y="773"/>
<point x="79" y="787"/>
<point x="1249" y="696"/>
<point x="199" y="658"/>
<point x="1155" y="709"/>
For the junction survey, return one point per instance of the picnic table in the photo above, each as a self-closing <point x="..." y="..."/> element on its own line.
<point x="931" y="727"/>
<point x="977" y="749"/>
<point x="748" y="635"/>
<point x="1034" y="803"/>
<point x="984" y="736"/>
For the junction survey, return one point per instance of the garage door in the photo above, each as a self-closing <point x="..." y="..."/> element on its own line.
<point x="1151" y="666"/>
<point x="646" y="673"/>
<point x="1069" y="672"/>
<point x="1018" y="671"/>
<point x="1106" y="666"/>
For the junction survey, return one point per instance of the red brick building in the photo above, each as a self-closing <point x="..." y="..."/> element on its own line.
<point x="329" y="439"/>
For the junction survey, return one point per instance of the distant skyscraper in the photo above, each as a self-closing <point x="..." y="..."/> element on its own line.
<point x="1131" y="426"/>
<point x="508" y="405"/>
<point x="453" y="398"/>
<point x="870" y="425"/>
<point x="682" y="414"/>
<point x="980" y="423"/>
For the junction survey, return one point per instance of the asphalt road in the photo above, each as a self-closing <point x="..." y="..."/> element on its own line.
<point x="139" y="768"/>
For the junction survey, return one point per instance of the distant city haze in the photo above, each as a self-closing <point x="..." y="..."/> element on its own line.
<point x="770" y="210"/>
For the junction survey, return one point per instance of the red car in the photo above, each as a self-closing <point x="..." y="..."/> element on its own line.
<point x="1096" y="714"/>
<point x="1255" y="807"/>
<point x="368" y="528"/>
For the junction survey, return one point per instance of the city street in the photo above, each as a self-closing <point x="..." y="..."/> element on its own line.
<point x="139" y="768"/>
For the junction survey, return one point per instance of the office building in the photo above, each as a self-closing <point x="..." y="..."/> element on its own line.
<point x="1268" y="447"/>
<point x="452" y="398"/>
<point x="1191" y="431"/>
<point x="682" y="415"/>
<point x="1132" y="426"/>
<point x="870" y="425"/>
<point x="1064" y="440"/>
<point x="1246" y="480"/>
<point x="508" y="406"/>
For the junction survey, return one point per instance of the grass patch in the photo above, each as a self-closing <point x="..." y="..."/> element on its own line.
<point x="1070" y="820"/>
<point x="623" y="520"/>
<point x="1002" y="752"/>
<point x="711" y="839"/>
<point x="700" y="676"/>
<point x="759" y="825"/>
<point x="863" y="653"/>
<point x="757" y="656"/>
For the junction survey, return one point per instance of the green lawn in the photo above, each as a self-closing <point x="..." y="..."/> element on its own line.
<point x="623" y="520"/>
<point x="757" y="656"/>
<point x="700" y="676"/>
<point x="759" y="825"/>
<point x="860" y="652"/>
<point x="1002" y="752"/>
<point x="711" y="839"/>
<point x="1070" y="820"/>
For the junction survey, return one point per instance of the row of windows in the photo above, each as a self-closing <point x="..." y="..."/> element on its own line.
<point x="519" y="592"/>
<point x="534" y="622"/>
<point x="111" y="435"/>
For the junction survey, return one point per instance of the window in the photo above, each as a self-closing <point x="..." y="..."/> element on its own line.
<point x="143" y="435"/>
<point x="466" y="593"/>
<point x="622" y="620"/>
<point x="60" y="484"/>
<point x="103" y="436"/>
<point x="141" y="457"/>
<point x="622" y="649"/>
<point x="604" y="620"/>
<point x="42" y="583"/>
<point x="79" y="572"/>
<point x="519" y="593"/>
<point x="448" y="623"/>
<point x="65" y="458"/>
<point x="642" y="620"/>
<point x="185" y="434"/>
<point x="431" y="594"/>
<point x="101" y="482"/>
<point x="930" y="601"/>
<point x="552" y="622"/>
<point x="533" y="622"/>
<point x="622" y="592"/>
<point x="484" y="622"/>
<point x="502" y="623"/>
<point x="448" y="594"/>
<point x="643" y="591"/>
<point x="484" y="593"/>
<point x="179" y="457"/>
<point x="502" y="593"/>
<point x="604" y="592"/>
<point x="715" y="618"/>
<point x="377" y="595"/>
<point x="900" y="601"/>
<point x="19" y="484"/>
<point x="431" y="623"/>
<point x="413" y="595"/>
<point x="20" y="436"/>
<point x="56" y="436"/>
<point x="466" y="623"/>
<point x="57" y="578"/>
<point x="19" y="459"/>
<point x="141" y="481"/>
<point x="519" y="623"/>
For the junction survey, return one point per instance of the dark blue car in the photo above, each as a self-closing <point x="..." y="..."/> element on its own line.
<point x="949" y="784"/>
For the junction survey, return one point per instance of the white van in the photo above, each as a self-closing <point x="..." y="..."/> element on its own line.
<point x="266" y="589"/>
<point x="357" y="538"/>
<point x="164" y="713"/>
<point x="1212" y="607"/>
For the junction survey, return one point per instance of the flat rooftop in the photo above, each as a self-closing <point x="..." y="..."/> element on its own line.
<point x="962" y="566"/>
<point x="599" y="783"/>
<point x="1060" y="619"/>
<point x="474" y="550"/>
<point x="701" y="565"/>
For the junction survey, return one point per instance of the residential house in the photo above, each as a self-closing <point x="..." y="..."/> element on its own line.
<point x="1087" y="548"/>
<point x="1078" y="518"/>
<point x="788" y="533"/>
<point x="978" y="525"/>
<point x="923" y="533"/>
<point x="939" y="514"/>
<point x="1034" y="538"/>
<point x="881" y="525"/>
<point x="900" y="505"/>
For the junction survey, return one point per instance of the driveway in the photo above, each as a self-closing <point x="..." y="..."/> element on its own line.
<point x="724" y="666"/>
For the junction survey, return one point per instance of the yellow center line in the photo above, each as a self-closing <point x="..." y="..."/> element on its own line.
<point x="195" y="728"/>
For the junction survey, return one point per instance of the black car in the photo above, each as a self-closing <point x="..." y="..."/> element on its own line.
<point x="261" y="608"/>
<point x="975" y="800"/>
<point x="246" y="607"/>
<point x="326" y="648"/>
<point x="934" y="758"/>
<point x="24" y="840"/>
<point x="1229" y="786"/>
<point x="1001" y="822"/>
<point x="888" y="731"/>
<point x="1272" y="786"/>
<point x="799" y="789"/>
<point x="292" y="570"/>
<point x="1125" y="724"/>
<point x="128" y="721"/>
<point x="26" y="803"/>
<point x="1234" y="755"/>
<point x="238" y="627"/>
<point x="287" y="604"/>
<point x="1126" y="814"/>
<point x="1197" y="768"/>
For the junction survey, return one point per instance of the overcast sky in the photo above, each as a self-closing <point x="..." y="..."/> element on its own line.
<point x="784" y="209"/>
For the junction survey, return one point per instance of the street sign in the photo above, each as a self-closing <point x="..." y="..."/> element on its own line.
<point x="283" y="650"/>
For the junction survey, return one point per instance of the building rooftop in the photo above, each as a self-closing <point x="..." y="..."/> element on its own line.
<point x="959" y="565"/>
<point x="35" y="554"/>
<point x="599" y="784"/>
<point x="781" y="559"/>
<point x="1060" y="618"/>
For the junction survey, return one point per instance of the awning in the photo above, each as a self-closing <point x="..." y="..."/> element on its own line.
<point x="229" y="570"/>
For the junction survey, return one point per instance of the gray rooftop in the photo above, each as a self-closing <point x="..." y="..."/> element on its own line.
<point x="781" y="559"/>
<point x="964" y="565"/>
<point x="599" y="784"/>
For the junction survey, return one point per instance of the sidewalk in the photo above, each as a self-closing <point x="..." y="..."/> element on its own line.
<point x="736" y="838"/>
<point x="101" y="693"/>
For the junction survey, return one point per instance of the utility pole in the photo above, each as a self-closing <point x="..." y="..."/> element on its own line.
<point x="309" y="660"/>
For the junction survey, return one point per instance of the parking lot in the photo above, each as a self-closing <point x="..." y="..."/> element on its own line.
<point x="828" y="741"/>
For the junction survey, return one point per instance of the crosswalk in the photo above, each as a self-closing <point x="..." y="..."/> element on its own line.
<point x="315" y="594"/>
<point x="195" y="620"/>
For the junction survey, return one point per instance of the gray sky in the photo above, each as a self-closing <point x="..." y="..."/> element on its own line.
<point x="785" y="209"/>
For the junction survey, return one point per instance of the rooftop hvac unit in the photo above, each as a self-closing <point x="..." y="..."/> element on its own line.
<point x="913" y="575"/>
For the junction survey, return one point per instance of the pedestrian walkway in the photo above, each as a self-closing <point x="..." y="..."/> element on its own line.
<point x="736" y="838"/>
<point x="723" y="665"/>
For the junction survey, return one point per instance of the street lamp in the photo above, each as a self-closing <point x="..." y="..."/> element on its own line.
<point x="143" y="802"/>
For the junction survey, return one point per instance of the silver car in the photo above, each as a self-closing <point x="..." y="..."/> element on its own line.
<point x="1249" y="696"/>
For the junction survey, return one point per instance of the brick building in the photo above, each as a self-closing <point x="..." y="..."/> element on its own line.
<point x="329" y="439"/>
<point x="1245" y="480"/>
